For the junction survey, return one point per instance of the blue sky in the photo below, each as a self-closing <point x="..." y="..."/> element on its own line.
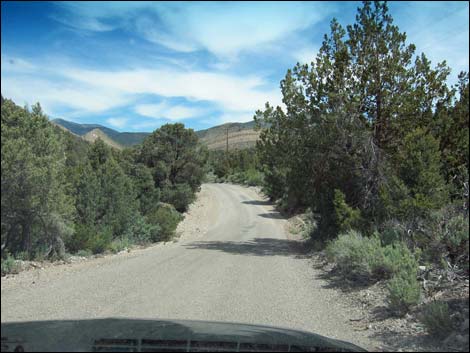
<point x="134" y="66"/>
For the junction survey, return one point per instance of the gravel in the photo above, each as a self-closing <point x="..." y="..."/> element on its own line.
<point x="233" y="262"/>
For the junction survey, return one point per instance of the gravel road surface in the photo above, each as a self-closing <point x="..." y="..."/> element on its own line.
<point x="242" y="268"/>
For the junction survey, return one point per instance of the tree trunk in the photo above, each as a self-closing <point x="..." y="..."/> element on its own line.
<point x="26" y="237"/>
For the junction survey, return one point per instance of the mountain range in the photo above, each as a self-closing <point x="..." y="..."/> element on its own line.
<point x="235" y="135"/>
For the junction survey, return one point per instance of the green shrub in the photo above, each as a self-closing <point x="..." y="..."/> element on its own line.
<point x="236" y="178"/>
<point x="9" y="265"/>
<point x="310" y="224"/>
<point x="444" y="236"/>
<point x="253" y="177"/>
<point x="403" y="292"/>
<point x="91" y="238"/>
<point x="39" y="253"/>
<point x="355" y="256"/>
<point x="22" y="255"/>
<point x="360" y="257"/>
<point x="419" y="167"/>
<point x="179" y="195"/>
<point x="79" y="239"/>
<point x="101" y="241"/>
<point x="83" y="253"/>
<point x="346" y="217"/>
<point x="250" y="177"/>
<point x="143" y="232"/>
<point x="392" y="232"/>
<point x="210" y="177"/>
<point x="398" y="258"/>
<point x="167" y="218"/>
<point x="436" y="318"/>
<point x="456" y="240"/>
<point x="119" y="244"/>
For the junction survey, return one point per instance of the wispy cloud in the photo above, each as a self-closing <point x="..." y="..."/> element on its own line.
<point x="91" y="91"/>
<point x="227" y="91"/>
<point x="306" y="54"/>
<point x="16" y="65"/>
<point x="168" y="111"/>
<point x="223" y="29"/>
<point x="59" y="96"/>
<point x="146" y="124"/>
<point x="440" y="29"/>
<point x="117" y="122"/>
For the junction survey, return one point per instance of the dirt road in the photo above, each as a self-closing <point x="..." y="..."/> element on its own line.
<point x="242" y="269"/>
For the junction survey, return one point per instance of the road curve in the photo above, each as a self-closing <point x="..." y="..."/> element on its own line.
<point x="243" y="269"/>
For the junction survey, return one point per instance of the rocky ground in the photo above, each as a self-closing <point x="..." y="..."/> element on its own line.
<point x="398" y="333"/>
<point x="401" y="333"/>
<point x="197" y="220"/>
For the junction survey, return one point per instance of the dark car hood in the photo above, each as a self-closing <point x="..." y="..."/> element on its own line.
<point x="116" y="334"/>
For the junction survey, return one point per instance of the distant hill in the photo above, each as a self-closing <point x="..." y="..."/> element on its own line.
<point x="121" y="139"/>
<point x="94" y="134"/>
<point x="240" y="135"/>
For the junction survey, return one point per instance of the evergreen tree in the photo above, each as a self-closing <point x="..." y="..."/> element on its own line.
<point x="348" y="121"/>
<point x="175" y="158"/>
<point x="34" y="201"/>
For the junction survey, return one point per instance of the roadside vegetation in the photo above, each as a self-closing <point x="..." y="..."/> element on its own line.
<point x="63" y="195"/>
<point x="238" y="166"/>
<point x="373" y="144"/>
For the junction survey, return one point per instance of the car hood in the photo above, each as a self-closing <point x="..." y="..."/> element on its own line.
<point x="122" y="334"/>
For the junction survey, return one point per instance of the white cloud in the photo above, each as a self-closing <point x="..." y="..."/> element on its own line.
<point x="117" y="122"/>
<point x="153" y="124"/>
<point x="229" y="92"/>
<point x="190" y="26"/>
<point x="92" y="16"/>
<point x="243" y="25"/>
<point x="147" y="28"/>
<point x="62" y="88"/>
<point x="305" y="55"/>
<point x="439" y="29"/>
<point x="55" y="96"/>
<point x="89" y="24"/>
<point x="167" y="111"/>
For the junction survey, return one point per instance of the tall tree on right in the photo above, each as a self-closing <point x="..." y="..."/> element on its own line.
<point x="394" y="94"/>
<point x="347" y="115"/>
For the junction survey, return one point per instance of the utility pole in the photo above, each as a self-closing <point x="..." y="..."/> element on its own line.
<point x="226" y="150"/>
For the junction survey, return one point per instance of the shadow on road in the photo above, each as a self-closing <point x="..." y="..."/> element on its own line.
<point x="272" y="215"/>
<point x="257" y="202"/>
<point x="335" y="280"/>
<point x="275" y="214"/>
<point x="255" y="247"/>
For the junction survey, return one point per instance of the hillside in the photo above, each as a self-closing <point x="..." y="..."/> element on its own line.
<point x="94" y="134"/>
<point x="122" y="139"/>
<point x="238" y="136"/>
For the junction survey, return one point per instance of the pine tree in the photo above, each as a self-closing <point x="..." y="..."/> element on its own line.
<point x="35" y="207"/>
